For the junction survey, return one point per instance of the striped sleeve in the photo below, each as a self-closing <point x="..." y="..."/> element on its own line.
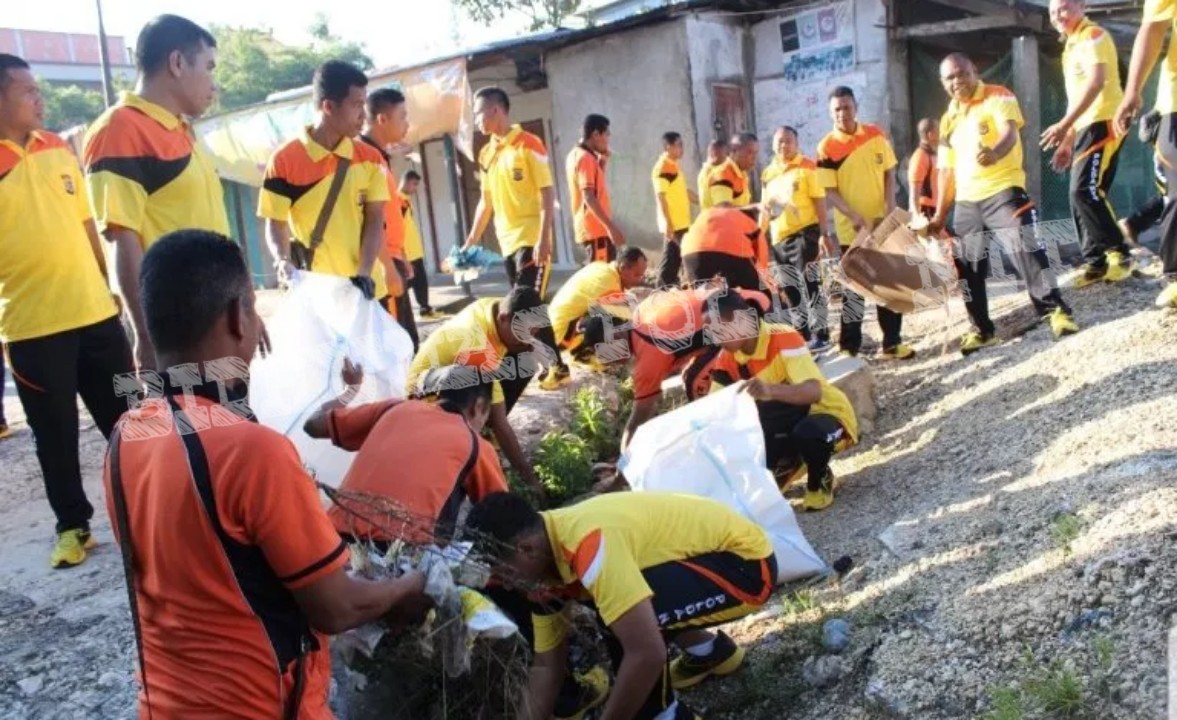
<point x="537" y="157"/>
<point x="1160" y="11"/>
<point x="605" y="565"/>
<point x="117" y="195"/>
<point x="274" y="200"/>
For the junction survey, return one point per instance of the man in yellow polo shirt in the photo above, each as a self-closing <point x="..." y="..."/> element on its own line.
<point x="1087" y="143"/>
<point x="981" y="171"/>
<point x="1159" y="21"/>
<point x="717" y="152"/>
<point x="517" y="192"/>
<point x="728" y="183"/>
<point x="414" y="247"/>
<point x="673" y="199"/>
<point x="595" y="283"/>
<point x="298" y="182"/>
<point x="145" y="173"/>
<point x="57" y="318"/>
<point x="856" y="164"/>
<point x="656" y="568"/>
<point x="805" y="419"/>
<point x="495" y="338"/>
<point x="798" y="234"/>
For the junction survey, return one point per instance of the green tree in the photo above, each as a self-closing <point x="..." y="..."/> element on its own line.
<point x="543" y="14"/>
<point x="251" y="64"/>
<point x="70" y="105"/>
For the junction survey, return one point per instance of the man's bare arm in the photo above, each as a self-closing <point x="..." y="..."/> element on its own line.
<point x="642" y="662"/>
<point x="339" y="602"/>
<point x="96" y="247"/>
<point x="594" y="206"/>
<point x="128" y="259"/>
<point x="835" y="200"/>
<point x="889" y="189"/>
<point x="643" y="410"/>
<point x="547" y="220"/>
<point x="1146" y="49"/>
<point x="504" y="433"/>
<point x="482" y="217"/>
<point x="544" y="682"/>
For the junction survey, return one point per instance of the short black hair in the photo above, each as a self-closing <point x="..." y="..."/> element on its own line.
<point x="458" y="387"/>
<point x="671" y="138"/>
<point x="788" y="129"/>
<point x="744" y="138"/>
<point x="10" y="62"/>
<point x="717" y="144"/>
<point x="521" y="299"/>
<point x="594" y="123"/>
<point x="334" y="79"/>
<point x="384" y="98"/>
<point x="495" y="96"/>
<point x="164" y="35"/>
<point x="411" y="175"/>
<point x="630" y="254"/>
<point x="187" y="282"/>
<point x="498" y="521"/>
<point x="843" y="91"/>
<point x="464" y="398"/>
<point x="729" y="302"/>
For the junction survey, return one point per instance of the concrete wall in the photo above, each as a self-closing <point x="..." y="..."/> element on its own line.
<point x="717" y="50"/>
<point x="805" y="106"/>
<point x="638" y="79"/>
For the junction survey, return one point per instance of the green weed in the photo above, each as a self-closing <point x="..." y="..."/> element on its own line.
<point x="1058" y="691"/>
<point x="1065" y="529"/>
<point x="563" y="463"/>
<point x="1007" y="705"/>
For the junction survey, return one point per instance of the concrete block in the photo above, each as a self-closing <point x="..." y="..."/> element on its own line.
<point x="849" y="374"/>
<point x="853" y="376"/>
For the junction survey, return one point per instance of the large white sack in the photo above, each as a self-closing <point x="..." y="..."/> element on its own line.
<point x="322" y="320"/>
<point x="714" y="447"/>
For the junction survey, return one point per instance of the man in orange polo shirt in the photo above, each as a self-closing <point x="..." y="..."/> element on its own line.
<point x="299" y="179"/>
<point x="592" y="214"/>
<point x="385" y="125"/>
<point x="728" y="242"/>
<point x="145" y="173"/>
<point x="921" y="171"/>
<point x="235" y="574"/>
<point x="436" y="444"/>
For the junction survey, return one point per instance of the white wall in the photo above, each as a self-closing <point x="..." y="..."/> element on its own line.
<point x="716" y="56"/>
<point x="640" y="81"/>
<point x="805" y="106"/>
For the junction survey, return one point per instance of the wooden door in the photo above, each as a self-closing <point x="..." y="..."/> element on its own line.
<point x="729" y="109"/>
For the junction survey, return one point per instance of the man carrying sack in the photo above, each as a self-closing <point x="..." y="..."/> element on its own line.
<point x="329" y="190"/>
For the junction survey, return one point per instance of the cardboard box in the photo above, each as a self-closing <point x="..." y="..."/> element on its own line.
<point x="893" y="267"/>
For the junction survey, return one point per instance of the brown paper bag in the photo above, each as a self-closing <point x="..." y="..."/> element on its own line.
<point x="893" y="267"/>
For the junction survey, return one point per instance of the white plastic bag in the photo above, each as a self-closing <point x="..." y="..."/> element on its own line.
<point x="714" y="447"/>
<point x="322" y="320"/>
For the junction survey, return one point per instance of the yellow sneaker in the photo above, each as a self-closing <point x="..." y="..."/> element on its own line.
<point x="787" y="476"/>
<point x="5" y="431"/>
<point x="555" y="378"/>
<point x="974" y="341"/>
<point x="71" y="548"/>
<point x="1061" y="323"/>
<point x="1119" y="267"/>
<point x="818" y="500"/>
<point x="1168" y="297"/>
<point x="899" y="352"/>
<point x="689" y="670"/>
<point x="594" y="689"/>
<point x="1091" y="275"/>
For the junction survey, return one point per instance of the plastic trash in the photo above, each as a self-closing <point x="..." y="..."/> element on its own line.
<point x="467" y="265"/>
<point x="714" y="448"/>
<point x="322" y="320"/>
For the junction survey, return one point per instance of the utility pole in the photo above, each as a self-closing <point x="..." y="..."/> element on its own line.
<point x="104" y="58"/>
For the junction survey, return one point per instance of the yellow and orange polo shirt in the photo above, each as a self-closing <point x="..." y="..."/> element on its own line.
<point x="781" y="357"/>
<point x="515" y="172"/>
<point x="1088" y="47"/>
<point x="394" y="219"/>
<point x="669" y="180"/>
<point x="804" y="191"/>
<point x="298" y="178"/>
<point x="602" y="545"/>
<point x="971" y="125"/>
<point x="1156" y="11"/>
<point x="589" y="285"/>
<point x="147" y="174"/>
<point x="585" y="173"/>
<point x="856" y="166"/>
<point x="414" y="246"/>
<point x="49" y="276"/>
<point x="727" y="183"/>
<point x="470" y="338"/>
<point x="702" y="183"/>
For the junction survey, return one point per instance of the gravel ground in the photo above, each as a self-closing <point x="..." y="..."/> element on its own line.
<point x="1012" y="522"/>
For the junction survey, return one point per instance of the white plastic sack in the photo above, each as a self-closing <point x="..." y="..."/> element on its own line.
<point x="322" y="320"/>
<point x="714" y="447"/>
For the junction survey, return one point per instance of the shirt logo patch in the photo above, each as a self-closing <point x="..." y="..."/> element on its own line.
<point x="363" y="197"/>
<point x="517" y="174"/>
<point x="879" y="158"/>
<point x="68" y="183"/>
<point x="983" y="128"/>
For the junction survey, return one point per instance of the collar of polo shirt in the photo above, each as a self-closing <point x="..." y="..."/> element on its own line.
<point x="318" y="152"/>
<point x="158" y="113"/>
<point x="761" y="351"/>
<point x="36" y="139"/>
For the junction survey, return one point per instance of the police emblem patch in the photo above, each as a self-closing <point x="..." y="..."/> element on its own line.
<point x="68" y="183"/>
<point x="517" y="174"/>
